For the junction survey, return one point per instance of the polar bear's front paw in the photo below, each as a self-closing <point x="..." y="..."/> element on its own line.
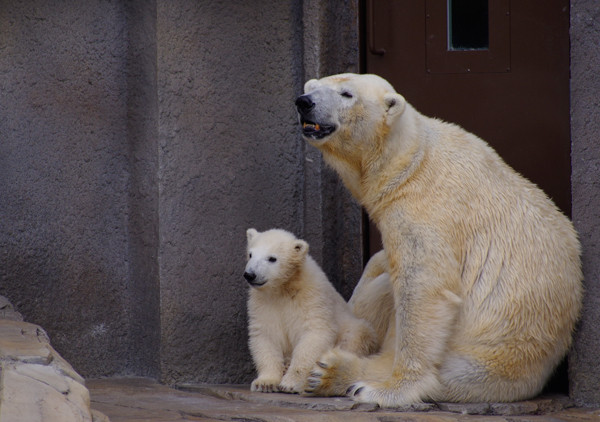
<point x="386" y="394"/>
<point x="363" y="393"/>
<point x="315" y="384"/>
<point x="265" y="385"/>
<point x="332" y="374"/>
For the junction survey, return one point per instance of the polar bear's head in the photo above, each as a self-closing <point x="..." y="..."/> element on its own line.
<point x="347" y="108"/>
<point x="274" y="257"/>
<point x="353" y="119"/>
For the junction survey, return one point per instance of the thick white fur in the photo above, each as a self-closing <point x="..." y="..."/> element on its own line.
<point x="478" y="289"/>
<point x="295" y="315"/>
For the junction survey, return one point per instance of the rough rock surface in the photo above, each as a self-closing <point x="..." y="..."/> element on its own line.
<point x="7" y="311"/>
<point x="36" y="383"/>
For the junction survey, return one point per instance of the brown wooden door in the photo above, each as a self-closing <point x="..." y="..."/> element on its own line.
<point x="498" y="68"/>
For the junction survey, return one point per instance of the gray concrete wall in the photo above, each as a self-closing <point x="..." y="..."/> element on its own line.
<point x="584" y="361"/>
<point x="64" y="176"/>
<point x="141" y="122"/>
<point x="139" y="140"/>
<point x="230" y="157"/>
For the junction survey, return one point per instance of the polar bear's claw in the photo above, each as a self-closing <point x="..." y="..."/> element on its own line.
<point x="313" y="382"/>
<point x="362" y="392"/>
<point x="354" y="391"/>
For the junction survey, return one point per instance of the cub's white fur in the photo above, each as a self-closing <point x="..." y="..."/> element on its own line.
<point x="295" y="314"/>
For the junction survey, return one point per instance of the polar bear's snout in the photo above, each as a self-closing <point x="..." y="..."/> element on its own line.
<point x="304" y="104"/>
<point x="311" y="118"/>
<point x="253" y="279"/>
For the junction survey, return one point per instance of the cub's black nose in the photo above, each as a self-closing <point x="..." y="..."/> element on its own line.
<point x="249" y="276"/>
<point x="304" y="103"/>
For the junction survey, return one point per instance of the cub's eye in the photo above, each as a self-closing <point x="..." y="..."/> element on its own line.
<point x="272" y="259"/>
<point x="250" y="255"/>
<point x="346" y="94"/>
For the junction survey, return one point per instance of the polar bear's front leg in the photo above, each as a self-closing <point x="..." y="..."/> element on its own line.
<point x="310" y="347"/>
<point x="418" y="350"/>
<point x="408" y="374"/>
<point x="269" y="360"/>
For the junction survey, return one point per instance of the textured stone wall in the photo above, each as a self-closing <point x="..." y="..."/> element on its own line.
<point x="139" y="140"/>
<point x="585" y="135"/>
<point x="230" y="158"/>
<point x="64" y="176"/>
<point x="141" y="122"/>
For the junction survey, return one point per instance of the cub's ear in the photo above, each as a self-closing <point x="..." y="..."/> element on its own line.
<point x="250" y="234"/>
<point x="394" y="105"/>
<point x="301" y="248"/>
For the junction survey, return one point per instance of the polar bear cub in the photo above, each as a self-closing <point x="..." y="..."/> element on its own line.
<point x="295" y="314"/>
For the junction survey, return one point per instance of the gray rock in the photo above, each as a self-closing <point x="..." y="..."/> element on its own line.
<point x="517" y="408"/>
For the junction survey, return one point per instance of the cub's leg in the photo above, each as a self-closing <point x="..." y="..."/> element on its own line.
<point x="269" y="361"/>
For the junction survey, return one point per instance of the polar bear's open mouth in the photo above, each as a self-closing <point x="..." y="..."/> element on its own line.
<point x="316" y="130"/>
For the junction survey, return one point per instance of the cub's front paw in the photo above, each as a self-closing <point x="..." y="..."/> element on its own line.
<point x="265" y="385"/>
<point x="291" y="384"/>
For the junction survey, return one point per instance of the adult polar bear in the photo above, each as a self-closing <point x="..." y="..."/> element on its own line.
<point x="484" y="271"/>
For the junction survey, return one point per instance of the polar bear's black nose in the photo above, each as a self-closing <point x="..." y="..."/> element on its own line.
<point x="249" y="276"/>
<point x="304" y="103"/>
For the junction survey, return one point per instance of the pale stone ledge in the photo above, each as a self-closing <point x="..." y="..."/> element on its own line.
<point x="36" y="383"/>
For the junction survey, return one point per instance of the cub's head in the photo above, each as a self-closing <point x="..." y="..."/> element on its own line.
<point x="347" y="110"/>
<point x="274" y="256"/>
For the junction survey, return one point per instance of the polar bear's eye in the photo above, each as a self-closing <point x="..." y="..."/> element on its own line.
<point x="272" y="259"/>
<point x="346" y="94"/>
<point x="250" y="255"/>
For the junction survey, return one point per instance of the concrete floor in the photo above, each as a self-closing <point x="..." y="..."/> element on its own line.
<point x="141" y="399"/>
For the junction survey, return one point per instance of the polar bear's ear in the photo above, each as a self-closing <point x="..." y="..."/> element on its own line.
<point x="394" y="105"/>
<point x="250" y="233"/>
<point x="301" y="248"/>
<point x="308" y="86"/>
